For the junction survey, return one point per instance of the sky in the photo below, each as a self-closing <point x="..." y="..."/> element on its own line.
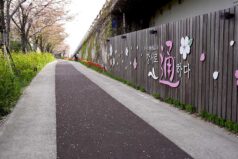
<point x="84" y="11"/>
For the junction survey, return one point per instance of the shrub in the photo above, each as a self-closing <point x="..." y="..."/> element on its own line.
<point x="11" y="84"/>
<point x="229" y="125"/>
<point x="235" y="127"/>
<point x="142" y="89"/>
<point x="177" y="103"/>
<point x="189" y="108"/>
<point x="156" y="95"/>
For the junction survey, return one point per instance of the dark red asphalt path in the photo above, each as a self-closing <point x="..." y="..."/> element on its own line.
<point x="93" y="125"/>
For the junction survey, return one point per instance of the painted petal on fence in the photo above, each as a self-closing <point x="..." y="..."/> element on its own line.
<point x="126" y="51"/>
<point x="215" y="75"/>
<point x="113" y="61"/>
<point x="181" y="50"/>
<point x="184" y="56"/>
<point x="169" y="44"/>
<point x="202" y="57"/>
<point x="236" y="74"/>
<point x="182" y="41"/>
<point x="190" y="42"/>
<point x="186" y="40"/>
<point x="232" y="42"/>
<point x="135" y="64"/>
<point x="187" y="49"/>
<point x="111" y="50"/>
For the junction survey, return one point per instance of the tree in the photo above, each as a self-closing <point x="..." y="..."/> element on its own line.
<point x="11" y="8"/>
<point x="51" y="38"/>
<point x="34" y="16"/>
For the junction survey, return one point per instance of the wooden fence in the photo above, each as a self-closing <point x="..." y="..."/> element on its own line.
<point x="154" y="58"/>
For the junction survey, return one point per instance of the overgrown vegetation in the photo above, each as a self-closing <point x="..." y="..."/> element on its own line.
<point x="11" y="84"/>
<point x="228" y="124"/>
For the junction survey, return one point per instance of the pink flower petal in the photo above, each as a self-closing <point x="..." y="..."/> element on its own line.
<point x="236" y="74"/>
<point x="202" y="57"/>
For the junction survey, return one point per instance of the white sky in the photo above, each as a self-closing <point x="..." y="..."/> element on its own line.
<point x="85" y="12"/>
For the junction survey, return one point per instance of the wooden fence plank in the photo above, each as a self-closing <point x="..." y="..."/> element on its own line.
<point x="230" y="76"/>
<point x="204" y="47"/>
<point x="225" y="67"/>
<point x="219" y="65"/>
<point x="207" y="63"/>
<point x="235" y="67"/>
<point x="193" y="64"/>
<point x="210" y="56"/>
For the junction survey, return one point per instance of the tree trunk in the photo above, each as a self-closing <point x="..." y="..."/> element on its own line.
<point x="2" y="23"/>
<point x="24" y="42"/>
<point x="8" y="24"/>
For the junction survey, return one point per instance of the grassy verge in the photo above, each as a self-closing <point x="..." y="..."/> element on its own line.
<point x="229" y="125"/>
<point x="12" y="84"/>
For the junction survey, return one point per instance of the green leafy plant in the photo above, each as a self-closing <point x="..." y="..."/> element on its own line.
<point x="11" y="84"/>
<point x="229" y="125"/>
<point x="156" y="96"/>
<point x="235" y="127"/>
<point x="189" y="108"/>
<point x="142" y="89"/>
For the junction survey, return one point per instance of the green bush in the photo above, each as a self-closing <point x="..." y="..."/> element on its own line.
<point x="142" y="89"/>
<point x="235" y="128"/>
<point x="229" y="125"/>
<point x="189" y="108"/>
<point x="11" y="83"/>
<point x="156" y="95"/>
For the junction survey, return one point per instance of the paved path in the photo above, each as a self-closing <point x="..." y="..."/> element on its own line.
<point x="126" y="124"/>
<point x="93" y="125"/>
